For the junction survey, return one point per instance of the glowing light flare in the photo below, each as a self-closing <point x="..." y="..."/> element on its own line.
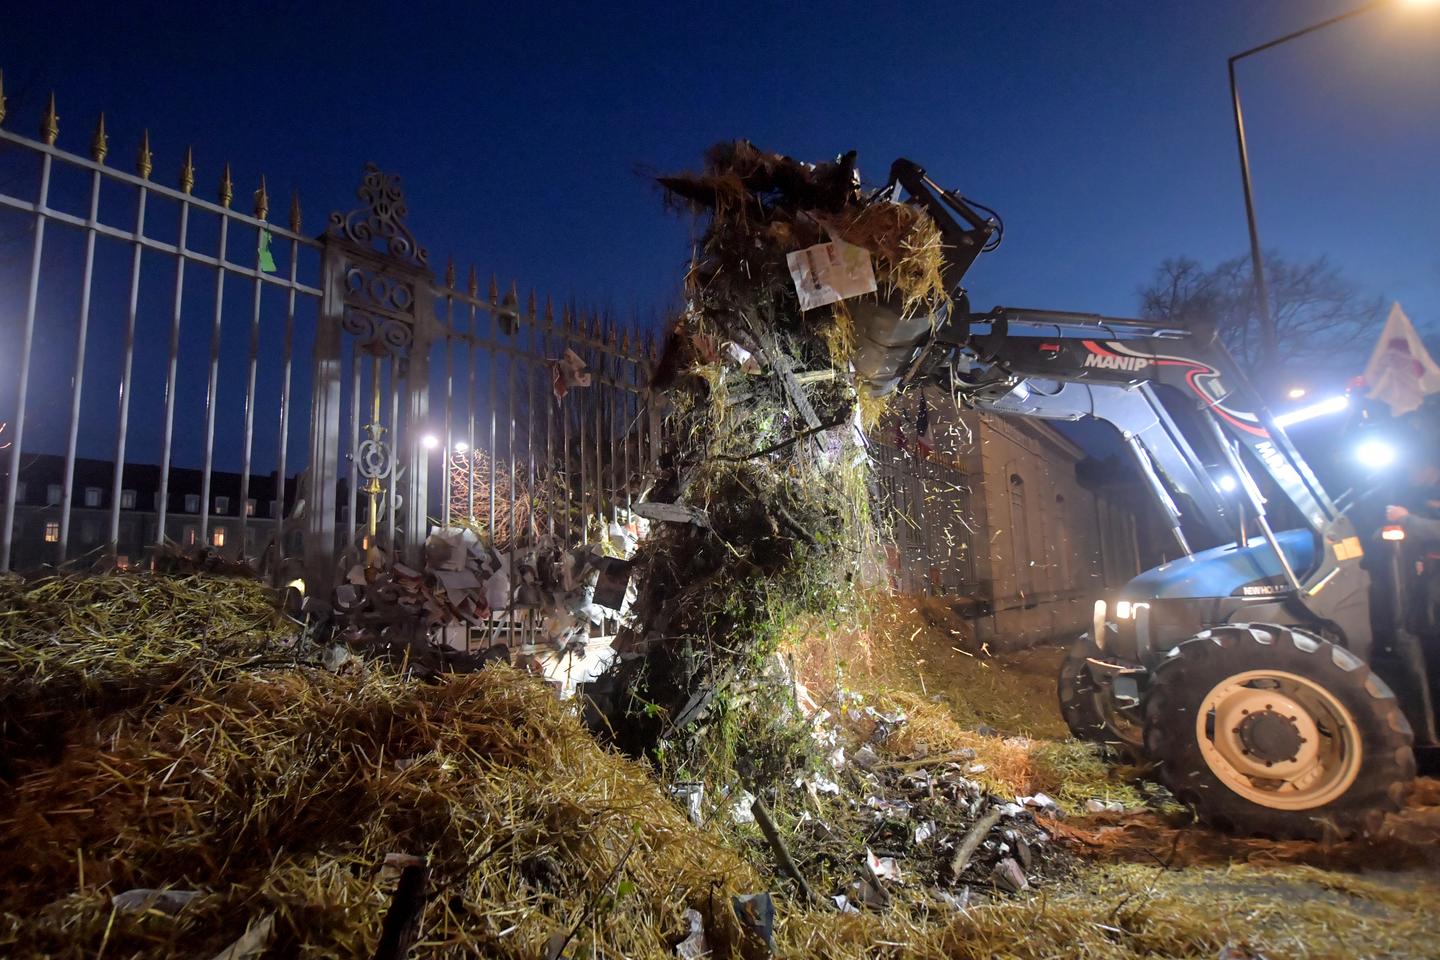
<point x="430" y="441"/>
<point x="1375" y="454"/>
<point x="1296" y="393"/>
<point x="1392" y="533"/>
<point x="1320" y="409"/>
<point x="1227" y="483"/>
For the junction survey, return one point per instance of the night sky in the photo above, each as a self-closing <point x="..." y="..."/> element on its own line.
<point x="1100" y="131"/>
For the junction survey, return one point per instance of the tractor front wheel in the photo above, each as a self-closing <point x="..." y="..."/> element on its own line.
<point x="1267" y="730"/>
<point x="1088" y="703"/>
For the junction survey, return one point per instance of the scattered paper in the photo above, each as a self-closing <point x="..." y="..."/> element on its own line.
<point x="143" y="898"/>
<point x="251" y="943"/>
<point x="883" y="867"/>
<point x="567" y="373"/>
<point x="830" y="272"/>
<point x="693" y="946"/>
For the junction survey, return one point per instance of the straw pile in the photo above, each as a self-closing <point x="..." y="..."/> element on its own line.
<point x="278" y="794"/>
<point x="73" y="649"/>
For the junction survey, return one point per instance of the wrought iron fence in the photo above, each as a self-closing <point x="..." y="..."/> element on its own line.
<point x="925" y="506"/>
<point x="173" y="337"/>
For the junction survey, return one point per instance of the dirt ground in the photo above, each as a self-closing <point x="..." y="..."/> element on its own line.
<point x="1362" y="898"/>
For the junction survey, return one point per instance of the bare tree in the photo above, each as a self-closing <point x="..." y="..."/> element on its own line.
<point x="1320" y="315"/>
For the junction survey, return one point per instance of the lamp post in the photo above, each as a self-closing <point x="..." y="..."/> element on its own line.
<point x="1269" y="345"/>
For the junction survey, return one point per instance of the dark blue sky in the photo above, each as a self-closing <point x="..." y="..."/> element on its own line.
<point x="1100" y="130"/>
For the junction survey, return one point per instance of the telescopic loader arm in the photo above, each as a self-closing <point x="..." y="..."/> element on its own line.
<point x="1065" y="366"/>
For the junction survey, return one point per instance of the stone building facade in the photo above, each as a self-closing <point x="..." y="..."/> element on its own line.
<point x="991" y="513"/>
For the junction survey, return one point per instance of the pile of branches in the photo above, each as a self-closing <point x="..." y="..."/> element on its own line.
<point x="762" y="492"/>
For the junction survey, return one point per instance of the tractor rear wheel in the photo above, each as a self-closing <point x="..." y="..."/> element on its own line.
<point x="1088" y="704"/>
<point x="1268" y="730"/>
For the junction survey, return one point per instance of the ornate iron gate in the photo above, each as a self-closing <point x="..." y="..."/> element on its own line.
<point x="410" y="372"/>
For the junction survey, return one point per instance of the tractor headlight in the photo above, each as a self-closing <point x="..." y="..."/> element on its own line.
<point x="1098" y="624"/>
<point x="1375" y="454"/>
<point x="1125" y="610"/>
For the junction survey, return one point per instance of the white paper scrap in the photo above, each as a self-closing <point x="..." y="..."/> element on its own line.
<point x="830" y="272"/>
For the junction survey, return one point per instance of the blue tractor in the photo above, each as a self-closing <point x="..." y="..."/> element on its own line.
<point x="1259" y="674"/>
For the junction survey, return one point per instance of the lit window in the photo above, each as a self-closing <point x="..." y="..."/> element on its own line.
<point x="250" y="508"/>
<point x="222" y="504"/>
<point x="217" y="536"/>
<point x="52" y="532"/>
<point x="127" y="499"/>
<point x="92" y="496"/>
<point x="52" y="494"/>
<point x="189" y="536"/>
<point x="192" y="503"/>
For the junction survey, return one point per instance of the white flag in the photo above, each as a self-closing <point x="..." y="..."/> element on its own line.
<point x="1401" y="371"/>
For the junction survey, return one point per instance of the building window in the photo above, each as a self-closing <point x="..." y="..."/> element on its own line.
<point x="52" y="495"/>
<point x="127" y="499"/>
<point x="189" y="536"/>
<point x="222" y="504"/>
<point x="217" y="537"/>
<point x="1020" y="538"/>
<point x="52" y="532"/>
<point x="250" y="507"/>
<point x="192" y="503"/>
<point x="92" y="496"/>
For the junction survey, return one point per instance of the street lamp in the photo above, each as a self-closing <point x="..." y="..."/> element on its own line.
<point x="1268" y="341"/>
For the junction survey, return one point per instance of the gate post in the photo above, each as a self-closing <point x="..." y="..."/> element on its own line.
<point x="379" y="290"/>
<point x="321" y="541"/>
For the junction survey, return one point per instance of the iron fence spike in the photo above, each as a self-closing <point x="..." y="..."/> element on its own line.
<point x="450" y="272"/>
<point x="474" y="282"/>
<point x="50" y="123"/>
<point x="227" y="187"/>
<point x="187" y="171"/>
<point x="294" y="211"/>
<point x="549" y="312"/>
<point x="494" y="289"/>
<point x="262" y="200"/>
<point x="530" y="307"/>
<point x="146" y="160"/>
<point x="100" y="142"/>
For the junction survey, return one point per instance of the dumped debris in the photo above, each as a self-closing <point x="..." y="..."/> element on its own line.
<point x="763" y="483"/>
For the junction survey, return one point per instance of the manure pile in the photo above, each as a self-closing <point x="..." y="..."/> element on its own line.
<point x="763" y="490"/>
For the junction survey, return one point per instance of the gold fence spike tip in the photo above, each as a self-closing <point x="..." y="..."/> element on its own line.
<point x="474" y="282"/>
<point x="227" y="187"/>
<point x="187" y="171"/>
<point x="262" y="200"/>
<point x="513" y="297"/>
<point x="450" y="273"/>
<point x="294" y="211"/>
<point x="100" y="142"/>
<point x="566" y="320"/>
<point x="2" y="96"/>
<point x="549" y="312"/>
<point x="494" y="289"/>
<point x="625" y="341"/>
<point x="145" y="161"/>
<point x="530" y="306"/>
<point x="50" y="123"/>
